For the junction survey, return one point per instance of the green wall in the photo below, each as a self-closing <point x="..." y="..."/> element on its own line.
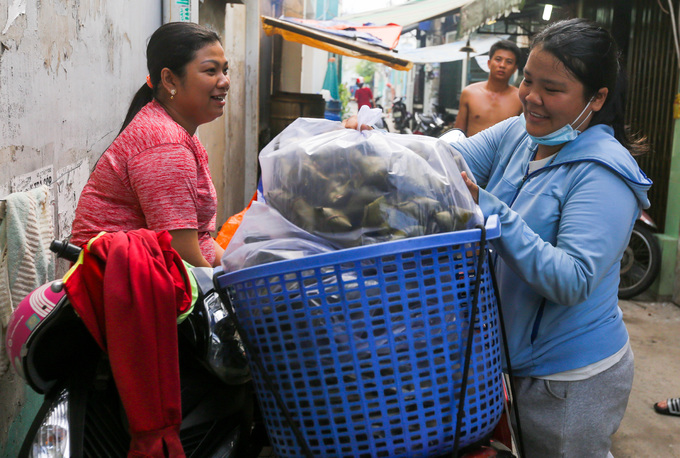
<point x="663" y="287"/>
<point x="21" y="423"/>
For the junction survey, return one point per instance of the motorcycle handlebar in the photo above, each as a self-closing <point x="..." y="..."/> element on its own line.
<point x="65" y="250"/>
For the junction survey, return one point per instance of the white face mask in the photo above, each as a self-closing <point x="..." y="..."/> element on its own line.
<point x="562" y="135"/>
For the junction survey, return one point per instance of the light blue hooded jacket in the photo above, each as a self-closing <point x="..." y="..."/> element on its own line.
<point x="564" y="229"/>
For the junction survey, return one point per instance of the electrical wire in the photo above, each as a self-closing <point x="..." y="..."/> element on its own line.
<point x="675" y="30"/>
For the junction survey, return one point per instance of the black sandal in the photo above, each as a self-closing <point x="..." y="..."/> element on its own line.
<point x="672" y="407"/>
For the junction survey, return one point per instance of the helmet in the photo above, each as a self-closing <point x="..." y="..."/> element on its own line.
<point x="44" y="335"/>
<point x="360" y="81"/>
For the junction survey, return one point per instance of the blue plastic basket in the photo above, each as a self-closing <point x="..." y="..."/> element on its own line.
<point x="366" y="346"/>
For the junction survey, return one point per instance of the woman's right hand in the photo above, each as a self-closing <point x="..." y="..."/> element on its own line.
<point x="472" y="187"/>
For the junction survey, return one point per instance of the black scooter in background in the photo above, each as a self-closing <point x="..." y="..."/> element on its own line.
<point x="433" y="124"/>
<point x="641" y="261"/>
<point x="383" y="119"/>
<point x="403" y="120"/>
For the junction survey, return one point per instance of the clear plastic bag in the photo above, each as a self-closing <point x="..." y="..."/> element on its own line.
<point x="355" y="188"/>
<point x="265" y="236"/>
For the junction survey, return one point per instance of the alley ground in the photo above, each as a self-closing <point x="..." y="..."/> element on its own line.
<point x="654" y="329"/>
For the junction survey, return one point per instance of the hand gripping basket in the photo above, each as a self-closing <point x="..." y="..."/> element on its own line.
<point x="365" y="347"/>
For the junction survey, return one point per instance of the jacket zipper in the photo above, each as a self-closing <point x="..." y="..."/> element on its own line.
<point x="525" y="177"/>
<point x="537" y="321"/>
<point x="539" y="314"/>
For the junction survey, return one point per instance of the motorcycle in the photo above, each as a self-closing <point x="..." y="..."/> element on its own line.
<point x="641" y="261"/>
<point x="382" y="119"/>
<point x="402" y="118"/>
<point x="432" y="125"/>
<point x="82" y="413"/>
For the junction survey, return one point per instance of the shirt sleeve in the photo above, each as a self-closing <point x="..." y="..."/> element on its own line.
<point x="165" y="181"/>
<point x="593" y="231"/>
<point x="480" y="151"/>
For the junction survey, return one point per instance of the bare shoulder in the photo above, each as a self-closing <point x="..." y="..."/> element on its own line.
<point x="512" y="98"/>
<point x="475" y="88"/>
<point x="475" y="92"/>
<point x="512" y="92"/>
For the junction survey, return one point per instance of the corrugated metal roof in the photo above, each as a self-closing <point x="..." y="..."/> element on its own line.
<point x="451" y="51"/>
<point x="474" y="13"/>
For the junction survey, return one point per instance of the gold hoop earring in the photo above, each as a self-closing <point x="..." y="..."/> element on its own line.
<point x="172" y="94"/>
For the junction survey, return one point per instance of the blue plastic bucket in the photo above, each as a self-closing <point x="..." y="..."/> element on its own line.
<point x="333" y="110"/>
<point x="366" y="346"/>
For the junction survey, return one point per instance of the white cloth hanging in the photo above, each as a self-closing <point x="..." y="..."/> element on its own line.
<point x="26" y="231"/>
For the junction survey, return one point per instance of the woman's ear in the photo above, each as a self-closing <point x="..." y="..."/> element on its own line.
<point x="169" y="80"/>
<point x="599" y="98"/>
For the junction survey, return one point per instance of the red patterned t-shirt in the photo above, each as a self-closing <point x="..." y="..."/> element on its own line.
<point x="153" y="176"/>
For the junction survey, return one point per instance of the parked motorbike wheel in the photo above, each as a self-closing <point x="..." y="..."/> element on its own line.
<point x="641" y="262"/>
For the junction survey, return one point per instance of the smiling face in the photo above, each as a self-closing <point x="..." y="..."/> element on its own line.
<point x="502" y="64"/>
<point x="201" y="92"/>
<point x="552" y="97"/>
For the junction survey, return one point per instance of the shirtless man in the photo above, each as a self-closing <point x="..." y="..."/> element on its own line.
<point x="489" y="102"/>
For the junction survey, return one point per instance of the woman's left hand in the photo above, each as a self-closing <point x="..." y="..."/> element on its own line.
<point x="351" y="123"/>
<point x="472" y="187"/>
<point x="219" y="251"/>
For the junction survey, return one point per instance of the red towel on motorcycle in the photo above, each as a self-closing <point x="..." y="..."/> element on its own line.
<point x="129" y="288"/>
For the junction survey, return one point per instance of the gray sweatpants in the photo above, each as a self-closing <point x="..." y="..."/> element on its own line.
<point x="573" y="419"/>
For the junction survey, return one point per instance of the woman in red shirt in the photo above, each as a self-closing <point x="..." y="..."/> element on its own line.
<point x="363" y="95"/>
<point x="155" y="173"/>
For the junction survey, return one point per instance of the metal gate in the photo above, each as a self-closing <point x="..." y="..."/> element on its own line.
<point x="653" y="84"/>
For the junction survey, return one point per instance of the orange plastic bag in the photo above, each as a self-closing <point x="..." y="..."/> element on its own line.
<point x="229" y="227"/>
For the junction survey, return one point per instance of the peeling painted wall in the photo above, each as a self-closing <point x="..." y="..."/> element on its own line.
<point x="68" y="71"/>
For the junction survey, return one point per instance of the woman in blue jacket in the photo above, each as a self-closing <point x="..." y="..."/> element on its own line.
<point x="567" y="190"/>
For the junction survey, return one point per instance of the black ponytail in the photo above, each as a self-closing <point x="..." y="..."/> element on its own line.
<point x="143" y="96"/>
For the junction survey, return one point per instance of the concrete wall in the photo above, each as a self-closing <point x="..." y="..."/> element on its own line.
<point x="314" y="64"/>
<point x="212" y="135"/>
<point x="68" y="70"/>
<point x="303" y="67"/>
<point x="233" y="161"/>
